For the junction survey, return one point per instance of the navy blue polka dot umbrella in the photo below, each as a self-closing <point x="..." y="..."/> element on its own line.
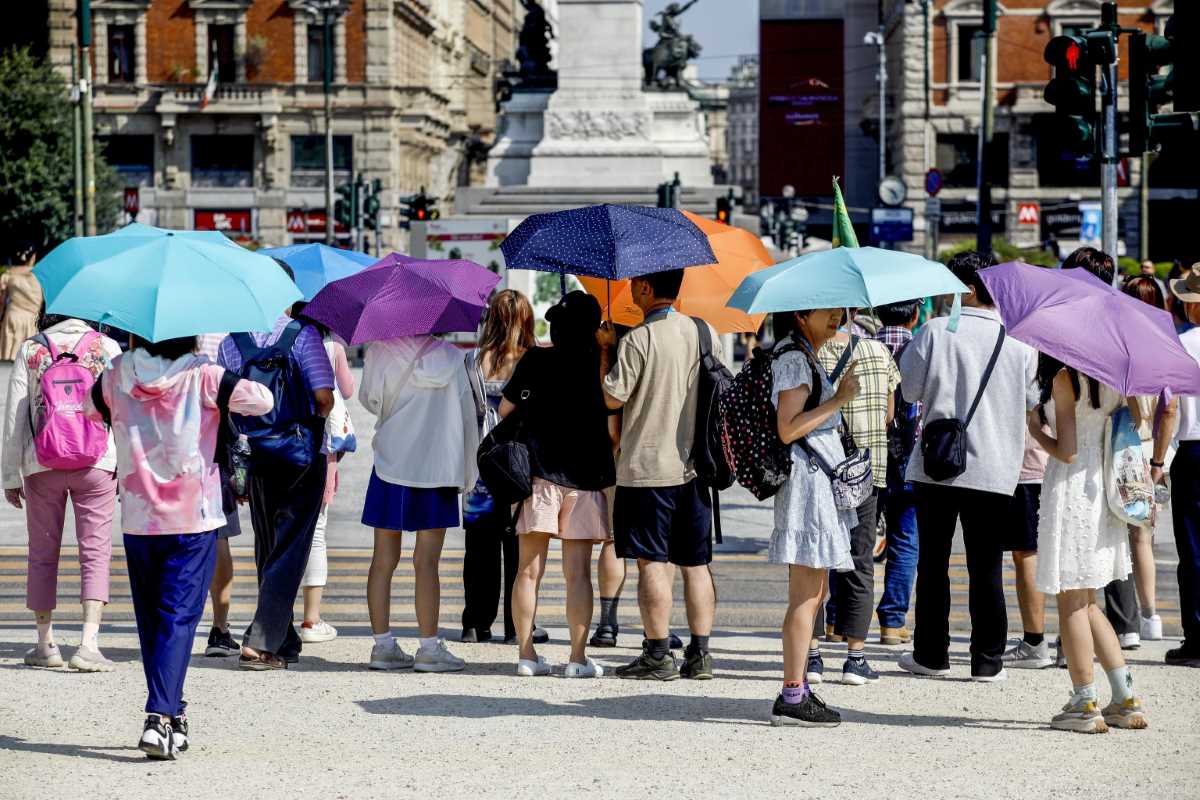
<point x="607" y="242"/>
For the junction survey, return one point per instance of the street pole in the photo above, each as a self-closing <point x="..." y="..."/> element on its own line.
<point x="1108" y="168"/>
<point x="85" y="98"/>
<point x="1144" y="210"/>
<point x="882" y="101"/>
<point x="983" y="181"/>
<point x="327" y="10"/>
<point x="77" y="139"/>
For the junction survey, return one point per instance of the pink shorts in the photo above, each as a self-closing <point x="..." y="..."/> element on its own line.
<point x="565" y="513"/>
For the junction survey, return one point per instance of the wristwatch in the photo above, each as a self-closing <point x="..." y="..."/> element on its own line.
<point x="1158" y="464"/>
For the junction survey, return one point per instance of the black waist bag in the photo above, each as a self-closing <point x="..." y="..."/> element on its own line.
<point x="504" y="463"/>
<point x="944" y="442"/>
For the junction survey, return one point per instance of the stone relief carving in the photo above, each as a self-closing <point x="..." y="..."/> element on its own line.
<point x="583" y="124"/>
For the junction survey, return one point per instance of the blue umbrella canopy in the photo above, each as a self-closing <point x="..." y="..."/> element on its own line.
<point x="607" y="241"/>
<point x="845" y="277"/>
<point x="316" y="265"/>
<point x="161" y="284"/>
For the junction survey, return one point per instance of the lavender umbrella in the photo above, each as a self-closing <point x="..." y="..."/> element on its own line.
<point x="402" y="296"/>
<point x="1083" y="322"/>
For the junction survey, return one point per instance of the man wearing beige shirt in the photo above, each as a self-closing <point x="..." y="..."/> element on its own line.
<point x="662" y="516"/>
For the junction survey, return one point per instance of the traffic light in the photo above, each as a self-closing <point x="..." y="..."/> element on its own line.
<point x="725" y="208"/>
<point x="344" y="208"/>
<point x="419" y="207"/>
<point x="371" y="205"/>
<point x="1148" y="91"/>
<point x="1072" y="92"/>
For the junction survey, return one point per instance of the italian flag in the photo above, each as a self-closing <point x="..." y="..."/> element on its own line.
<point x="210" y="88"/>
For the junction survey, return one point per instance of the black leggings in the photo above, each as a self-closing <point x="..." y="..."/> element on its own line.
<point x="486" y="540"/>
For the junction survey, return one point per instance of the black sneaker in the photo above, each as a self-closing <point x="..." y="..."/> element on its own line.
<point x="646" y="668"/>
<point x="156" y="741"/>
<point x="811" y="712"/>
<point x="1184" y="656"/>
<point x="697" y="666"/>
<point x="815" y="671"/>
<point x="605" y="636"/>
<point x="179" y="733"/>
<point x="221" y="644"/>
<point x="540" y="636"/>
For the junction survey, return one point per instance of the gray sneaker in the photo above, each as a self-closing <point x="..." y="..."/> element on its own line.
<point x="88" y="660"/>
<point x="44" y="655"/>
<point x="389" y="656"/>
<point x="438" y="659"/>
<point x="1023" y="655"/>
<point x="1082" y="717"/>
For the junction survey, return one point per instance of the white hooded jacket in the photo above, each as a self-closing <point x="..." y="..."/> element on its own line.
<point x="425" y="431"/>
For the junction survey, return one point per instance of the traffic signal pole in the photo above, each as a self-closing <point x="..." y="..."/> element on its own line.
<point x="327" y="37"/>
<point x="1109" y="152"/>
<point x="983" y="180"/>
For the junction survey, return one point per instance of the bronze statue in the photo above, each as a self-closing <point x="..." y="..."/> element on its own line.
<point x="664" y="63"/>
<point x="533" y="51"/>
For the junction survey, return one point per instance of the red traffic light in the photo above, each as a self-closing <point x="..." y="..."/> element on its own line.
<point x="1068" y="53"/>
<point x="1072" y="56"/>
<point x="420" y="213"/>
<point x="723" y="216"/>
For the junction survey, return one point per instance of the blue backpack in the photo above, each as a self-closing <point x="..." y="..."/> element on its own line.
<point x="290" y="434"/>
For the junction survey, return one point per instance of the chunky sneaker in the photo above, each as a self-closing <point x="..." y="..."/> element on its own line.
<point x="1130" y="641"/>
<point x="1151" y="628"/>
<point x="909" y="664"/>
<point x="389" y="656"/>
<point x="645" y="668"/>
<point x="1129" y="714"/>
<point x="815" y="671"/>
<point x="319" y="631"/>
<point x="438" y="659"/>
<point x="1080" y="718"/>
<point x="605" y="636"/>
<point x="532" y="669"/>
<point x="88" y="660"/>
<point x="1060" y="656"/>
<point x="590" y="669"/>
<point x="156" y="741"/>
<point x="857" y="672"/>
<point x="1024" y="655"/>
<point x="811" y="712"/>
<point x="179" y="733"/>
<point x="1182" y="656"/>
<point x="44" y="655"/>
<point x="221" y="644"/>
<point x="697" y="666"/>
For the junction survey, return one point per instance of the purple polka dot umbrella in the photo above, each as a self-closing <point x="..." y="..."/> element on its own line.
<point x="402" y="296"/>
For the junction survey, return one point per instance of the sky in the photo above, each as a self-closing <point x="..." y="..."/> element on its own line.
<point x="724" y="28"/>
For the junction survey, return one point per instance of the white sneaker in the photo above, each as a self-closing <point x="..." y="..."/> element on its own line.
<point x="1002" y="675"/>
<point x="1152" y="628"/>
<point x="909" y="664"/>
<point x="438" y="659"/>
<point x="88" y="660"/>
<point x="532" y="669"/>
<point x="1023" y="655"/>
<point x="389" y="656"/>
<point x="321" y="631"/>
<point x="590" y="669"/>
<point x="1130" y="641"/>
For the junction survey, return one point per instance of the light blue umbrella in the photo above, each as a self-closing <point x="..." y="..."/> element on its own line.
<point x="316" y="265"/>
<point x="161" y="284"/>
<point x="845" y="277"/>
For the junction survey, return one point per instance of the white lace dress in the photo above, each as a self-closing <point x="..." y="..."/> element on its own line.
<point x="1081" y="544"/>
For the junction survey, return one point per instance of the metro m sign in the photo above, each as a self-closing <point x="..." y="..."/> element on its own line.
<point x="1029" y="214"/>
<point x="133" y="202"/>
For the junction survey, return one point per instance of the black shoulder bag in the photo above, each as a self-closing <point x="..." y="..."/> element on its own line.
<point x="944" y="442"/>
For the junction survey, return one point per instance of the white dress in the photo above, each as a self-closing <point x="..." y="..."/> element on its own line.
<point x="1081" y="544"/>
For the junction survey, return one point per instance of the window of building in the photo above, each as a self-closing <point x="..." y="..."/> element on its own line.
<point x="957" y="159"/>
<point x="121" y="65"/>
<point x="220" y="52"/>
<point x="970" y="53"/>
<point x="222" y="161"/>
<point x="308" y="160"/>
<point x="1057" y="166"/>
<point x="316" y="54"/>
<point x="132" y="156"/>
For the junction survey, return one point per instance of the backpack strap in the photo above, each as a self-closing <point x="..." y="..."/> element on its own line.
<point x="844" y="360"/>
<point x="99" y="402"/>
<point x="44" y="341"/>
<point x="287" y="338"/>
<point x="475" y="378"/>
<point x="705" y="337"/>
<point x="245" y="345"/>
<point x="229" y="381"/>
<point x="706" y="350"/>
<point x="987" y="376"/>
<point x="84" y="343"/>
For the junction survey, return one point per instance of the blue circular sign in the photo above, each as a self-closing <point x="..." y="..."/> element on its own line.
<point x="933" y="182"/>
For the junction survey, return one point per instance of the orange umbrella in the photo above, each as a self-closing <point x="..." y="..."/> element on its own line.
<point x="705" y="290"/>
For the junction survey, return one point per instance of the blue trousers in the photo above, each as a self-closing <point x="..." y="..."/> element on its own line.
<point x="900" y="510"/>
<point x="1185" y="498"/>
<point x="169" y="576"/>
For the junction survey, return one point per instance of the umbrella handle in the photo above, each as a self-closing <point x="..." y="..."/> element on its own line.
<point x="562" y="282"/>
<point x="608" y="291"/>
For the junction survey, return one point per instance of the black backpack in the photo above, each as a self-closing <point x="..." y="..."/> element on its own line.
<point x="902" y="430"/>
<point x="712" y="464"/>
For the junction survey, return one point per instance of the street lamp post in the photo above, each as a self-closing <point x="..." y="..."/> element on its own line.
<point x="327" y="11"/>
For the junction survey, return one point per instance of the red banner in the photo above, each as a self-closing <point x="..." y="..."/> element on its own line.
<point x="225" y="221"/>
<point x="310" y="220"/>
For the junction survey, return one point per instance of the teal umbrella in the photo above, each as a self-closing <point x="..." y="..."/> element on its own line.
<point x="161" y="284"/>
<point x="845" y="277"/>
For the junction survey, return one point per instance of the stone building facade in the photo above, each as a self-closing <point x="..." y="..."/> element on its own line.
<point x="741" y="136"/>
<point x="412" y="98"/>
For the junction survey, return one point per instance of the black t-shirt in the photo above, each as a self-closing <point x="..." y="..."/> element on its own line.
<point x="565" y="419"/>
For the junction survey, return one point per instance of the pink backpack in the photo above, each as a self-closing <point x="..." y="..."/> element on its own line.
<point x="64" y="437"/>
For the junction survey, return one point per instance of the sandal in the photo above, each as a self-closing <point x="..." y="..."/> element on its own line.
<point x="261" y="662"/>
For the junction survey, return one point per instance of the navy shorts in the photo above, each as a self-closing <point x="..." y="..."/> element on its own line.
<point x="393" y="507"/>
<point x="667" y="524"/>
<point x="1021" y="526"/>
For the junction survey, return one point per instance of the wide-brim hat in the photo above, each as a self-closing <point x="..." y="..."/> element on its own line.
<point x="1187" y="288"/>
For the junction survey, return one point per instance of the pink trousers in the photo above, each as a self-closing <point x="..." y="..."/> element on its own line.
<point x="93" y="496"/>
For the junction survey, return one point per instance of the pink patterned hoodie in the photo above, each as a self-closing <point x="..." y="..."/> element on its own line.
<point x="165" y="422"/>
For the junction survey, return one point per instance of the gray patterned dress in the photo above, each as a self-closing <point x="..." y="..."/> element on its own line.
<point x="810" y="531"/>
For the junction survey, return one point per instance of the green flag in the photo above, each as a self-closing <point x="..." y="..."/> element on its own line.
<point x="843" y="231"/>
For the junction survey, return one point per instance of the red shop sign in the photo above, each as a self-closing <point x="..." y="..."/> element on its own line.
<point x="236" y="221"/>
<point x="310" y="220"/>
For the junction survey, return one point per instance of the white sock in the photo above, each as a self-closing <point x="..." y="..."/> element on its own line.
<point x="90" y="638"/>
<point x="1083" y="693"/>
<point x="383" y="639"/>
<point x="1120" y="680"/>
<point x="428" y="642"/>
<point x="45" y="632"/>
